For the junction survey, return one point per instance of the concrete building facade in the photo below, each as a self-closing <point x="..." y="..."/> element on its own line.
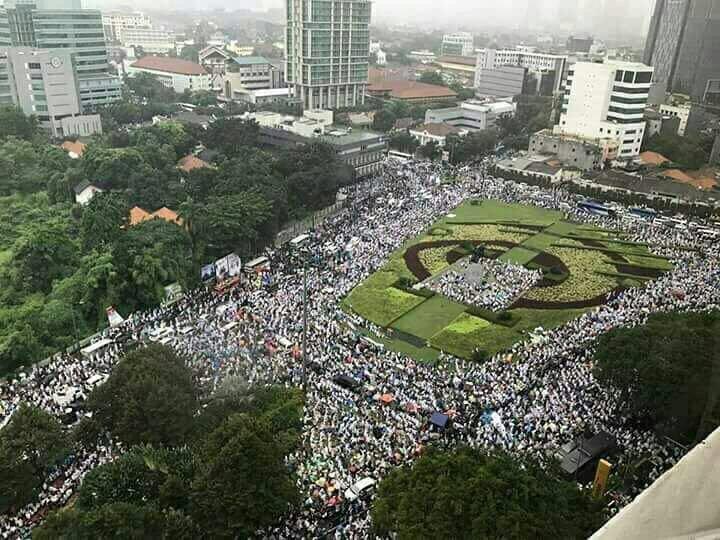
<point x="458" y="44"/>
<point x="607" y="101"/>
<point x="151" y="41"/>
<point x="684" y="48"/>
<point x="116" y="23"/>
<point x="571" y="151"/>
<point x="472" y="115"/>
<point x="175" y="73"/>
<point x="502" y="81"/>
<point x="62" y="25"/>
<point x="326" y="51"/>
<point x="678" y="111"/>
<point x="43" y="83"/>
<point x="536" y="62"/>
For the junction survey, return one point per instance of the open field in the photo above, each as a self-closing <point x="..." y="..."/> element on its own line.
<point x="581" y="265"/>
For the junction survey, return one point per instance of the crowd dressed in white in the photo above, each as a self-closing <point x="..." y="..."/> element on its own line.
<point x="529" y="400"/>
<point x="487" y="283"/>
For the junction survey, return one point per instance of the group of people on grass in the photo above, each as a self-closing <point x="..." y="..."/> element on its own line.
<point x="485" y="283"/>
<point x="528" y="400"/>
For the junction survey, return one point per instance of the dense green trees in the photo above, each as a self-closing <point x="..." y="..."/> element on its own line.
<point x="667" y="372"/>
<point x="62" y="265"/>
<point x="216" y="471"/>
<point x="686" y="152"/>
<point x="432" y="77"/>
<point x="13" y="123"/>
<point x="149" y="398"/>
<point x="30" y="445"/>
<point x="473" y="146"/>
<point x="469" y="494"/>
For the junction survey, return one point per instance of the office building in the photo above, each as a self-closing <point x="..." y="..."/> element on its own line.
<point x="540" y="64"/>
<point x="459" y="67"/>
<point x="175" y="73"/>
<point x="115" y="23"/>
<point x="472" y="115"/>
<point x="43" y="83"/>
<point x="679" y="111"/>
<point x="579" y="44"/>
<point x="362" y="150"/>
<point x="150" y="40"/>
<point x="572" y="151"/>
<point x="326" y="50"/>
<point x="683" y="46"/>
<point x="607" y="101"/>
<point x="502" y="81"/>
<point x="62" y="25"/>
<point x="4" y="28"/>
<point x="458" y="44"/>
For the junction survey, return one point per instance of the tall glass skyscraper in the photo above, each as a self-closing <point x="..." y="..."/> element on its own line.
<point x="683" y="46"/>
<point x="327" y="49"/>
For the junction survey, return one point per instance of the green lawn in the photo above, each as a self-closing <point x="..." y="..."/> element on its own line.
<point x="430" y="317"/>
<point x="493" y="211"/>
<point x="377" y="301"/>
<point x="446" y="325"/>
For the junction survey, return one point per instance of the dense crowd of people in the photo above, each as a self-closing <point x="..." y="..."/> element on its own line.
<point x="485" y="283"/>
<point x="528" y="400"/>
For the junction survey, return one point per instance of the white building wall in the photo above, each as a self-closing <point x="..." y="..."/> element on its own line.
<point x="177" y="81"/>
<point x="599" y="106"/>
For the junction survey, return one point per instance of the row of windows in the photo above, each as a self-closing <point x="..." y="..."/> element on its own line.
<point x="642" y="77"/>
<point x="627" y="90"/>
<point x="628" y="101"/>
<point x="620" y="110"/>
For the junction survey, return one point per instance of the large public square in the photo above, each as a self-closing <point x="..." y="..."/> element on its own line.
<point x="532" y="394"/>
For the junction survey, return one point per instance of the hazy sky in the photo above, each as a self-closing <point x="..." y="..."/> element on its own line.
<point x="583" y="15"/>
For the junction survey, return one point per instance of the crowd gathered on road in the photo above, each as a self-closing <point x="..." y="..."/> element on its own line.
<point x="528" y="400"/>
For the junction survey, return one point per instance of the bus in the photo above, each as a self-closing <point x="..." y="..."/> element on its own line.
<point x="645" y="213"/>
<point x="597" y="208"/>
<point x="399" y="156"/>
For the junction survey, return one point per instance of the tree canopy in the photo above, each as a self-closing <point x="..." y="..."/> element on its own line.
<point x="30" y="445"/>
<point x="667" y="371"/>
<point x="470" y="494"/>
<point x="149" y="398"/>
<point x="687" y="152"/>
<point x="226" y="477"/>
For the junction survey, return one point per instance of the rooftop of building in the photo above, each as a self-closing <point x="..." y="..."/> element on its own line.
<point x="138" y="215"/>
<point x="343" y="137"/>
<point x="463" y="60"/>
<point x="678" y="504"/>
<point x="410" y="89"/>
<point x="438" y="129"/>
<point x="191" y="162"/>
<point x="74" y="148"/>
<point x="250" y="60"/>
<point x="652" y="158"/>
<point x="169" y="65"/>
<point x="650" y="185"/>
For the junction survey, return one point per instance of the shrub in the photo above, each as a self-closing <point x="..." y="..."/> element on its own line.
<point x="480" y="356"/>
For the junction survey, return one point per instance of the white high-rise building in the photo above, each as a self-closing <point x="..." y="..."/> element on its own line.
<point x="115" y="23"/>
<point x="607" y="101"/>
<point x="458" y="44"/>
<point x="326" y="50"/>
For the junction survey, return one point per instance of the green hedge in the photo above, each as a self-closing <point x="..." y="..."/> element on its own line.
<point x="503" y="318"/>
<point x="406" y="285"/>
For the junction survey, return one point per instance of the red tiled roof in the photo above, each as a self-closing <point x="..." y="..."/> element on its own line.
<point x="410" y="90"/>
<point x="170" y="65"/>
<point x="138" y="215"/>
<point x="76" y="148"/>
<point x="191" y="162"/>
<point x="438" y="129"/>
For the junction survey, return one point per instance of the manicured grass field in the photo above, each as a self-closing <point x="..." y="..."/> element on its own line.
<point x="520" y="233"/>
<point x="430" y="317"/>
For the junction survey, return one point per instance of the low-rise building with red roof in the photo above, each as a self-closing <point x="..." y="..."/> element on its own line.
<point x="175" y="73"/>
